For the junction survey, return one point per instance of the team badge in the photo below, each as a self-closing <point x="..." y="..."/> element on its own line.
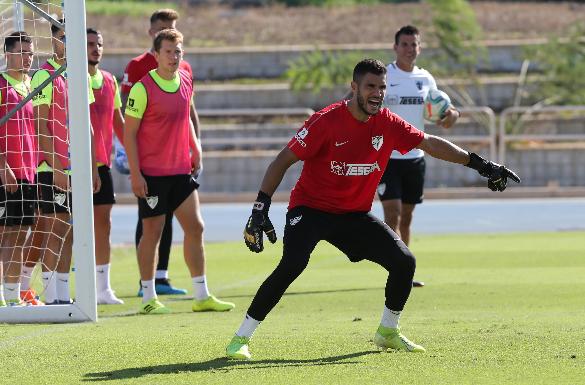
<point x="60" y="199"/>
<point x="419" y="84"/>
<point x="2" y="211"/>
<point x="295" y="220"/>
<point x="381" y="188"/>
<point x="152" y="201"/>
<point x="377" y="142"/>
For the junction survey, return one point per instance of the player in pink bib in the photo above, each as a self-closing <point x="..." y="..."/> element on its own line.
<point x="18" y="160"/>
<point x="135" y="71"/>
<point x="106" y="117"/>
<point x="163" y="151"/>
<point x="54" y="169"/>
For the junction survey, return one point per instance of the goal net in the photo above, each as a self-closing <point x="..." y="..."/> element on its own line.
<point x="46" y="246"/>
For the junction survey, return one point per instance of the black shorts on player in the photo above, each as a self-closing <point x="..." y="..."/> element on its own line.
<point x="165" y="194"/>
<point x="403" y="179"/>
<point x="358" y="235"/>
<point x="18" y="208"/>
<point x="106" y="194"/>
<point x="52" y="199"/>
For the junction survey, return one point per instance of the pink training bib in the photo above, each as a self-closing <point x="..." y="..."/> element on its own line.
<point x="102" y="119"/>
<point x="163" y="136"/>
<point x="57" y="124"/>
<point x="17" y="135"/>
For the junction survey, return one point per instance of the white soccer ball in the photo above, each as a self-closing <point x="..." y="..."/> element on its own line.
<point x="436" y="104"/>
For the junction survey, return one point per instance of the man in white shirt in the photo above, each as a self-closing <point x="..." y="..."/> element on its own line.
<point x="401" y="186"/>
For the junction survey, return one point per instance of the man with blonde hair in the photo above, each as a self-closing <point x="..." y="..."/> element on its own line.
<point x="158" y="119"/>
<point x="135" y="70"/>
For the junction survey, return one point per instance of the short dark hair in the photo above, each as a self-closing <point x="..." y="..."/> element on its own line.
<point x="166" y="14"/>
<point x="406" y="30"/>
<point x="54" y="28"/>
<point x="93" y="31"/>
<point x="368" y="66"/>
<point x="16" y="37"/>
<point x="166" y="34"/>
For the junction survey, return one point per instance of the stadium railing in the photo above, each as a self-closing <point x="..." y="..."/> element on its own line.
<point x="524" y="128"/>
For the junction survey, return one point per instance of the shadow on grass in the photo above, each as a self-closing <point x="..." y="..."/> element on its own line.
<point x="221" y="365"/>
<point x="310" y="292"/>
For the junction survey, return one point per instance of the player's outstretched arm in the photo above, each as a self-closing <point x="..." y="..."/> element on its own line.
<point x="258" y="223"/>
<point x="496" y="174"/>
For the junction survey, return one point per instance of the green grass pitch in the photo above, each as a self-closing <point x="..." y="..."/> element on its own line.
<point x="497" y="309"/>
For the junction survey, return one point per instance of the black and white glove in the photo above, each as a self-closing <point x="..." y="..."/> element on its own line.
<point x="496" y="174"/>
<point x="259" y="223"/>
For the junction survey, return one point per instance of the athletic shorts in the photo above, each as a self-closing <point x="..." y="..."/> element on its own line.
<point x="106" y="194"/>
<point x="18" y="208"/>
<point x="165" y="194"/>
<point x="52" y="199"/>
<point x="358" y="235"/>
<point x="403" y="179"/>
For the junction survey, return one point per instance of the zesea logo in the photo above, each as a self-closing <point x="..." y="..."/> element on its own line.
<point x="411" y="100"/>
<point x="353" y="169"/>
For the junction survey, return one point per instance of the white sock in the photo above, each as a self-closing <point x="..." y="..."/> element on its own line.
<point x="200" y="290"/>
<point x="25" y="277"/>
<point x="102" y="274"/>
<point x="162" y="274"/>
<point x="12" y="291"/>
<point x="148" y="292"/>
<point x="248" y="327"/>
<point x="1" y="291"/>
<point x="49" y="286"/>
<point x="390" y="318"/>
<point x="63" y="287"/>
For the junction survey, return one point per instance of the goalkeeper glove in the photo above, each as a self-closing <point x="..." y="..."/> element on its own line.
<point x="259" y="223"/>
<point x="496" y="174"/>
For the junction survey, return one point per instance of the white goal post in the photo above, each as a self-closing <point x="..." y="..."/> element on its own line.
<point x="84" y="308"/>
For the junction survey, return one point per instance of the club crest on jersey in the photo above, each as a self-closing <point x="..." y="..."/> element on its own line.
<point x="377" y="142"/>
<point x="2" y="211"/>
<point x="60" y="198"/>
<point x="295" y="220"/>
<point x="152" y="201"/>
<point x="419" y="84"/>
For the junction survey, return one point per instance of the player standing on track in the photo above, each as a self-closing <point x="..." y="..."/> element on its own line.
<point x="106" y="117"/>
<point x="162" y="152"/>
<point x="345" y="148"/>
<point x="401" y="186"/>
<point x="135" y="70"/>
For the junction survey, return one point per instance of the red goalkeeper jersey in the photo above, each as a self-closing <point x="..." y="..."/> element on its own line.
<point x="345" y="158"/>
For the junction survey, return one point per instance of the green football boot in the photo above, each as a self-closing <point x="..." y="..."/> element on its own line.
<point x="2" y="303"/>
<point x="212" y="304"/>
<point x="391" y="338"/>
<point x="154" y="306"/>
<point x="238" y="349"/>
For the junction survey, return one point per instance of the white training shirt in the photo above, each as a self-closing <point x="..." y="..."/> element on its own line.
<point x="405" y="95"/>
